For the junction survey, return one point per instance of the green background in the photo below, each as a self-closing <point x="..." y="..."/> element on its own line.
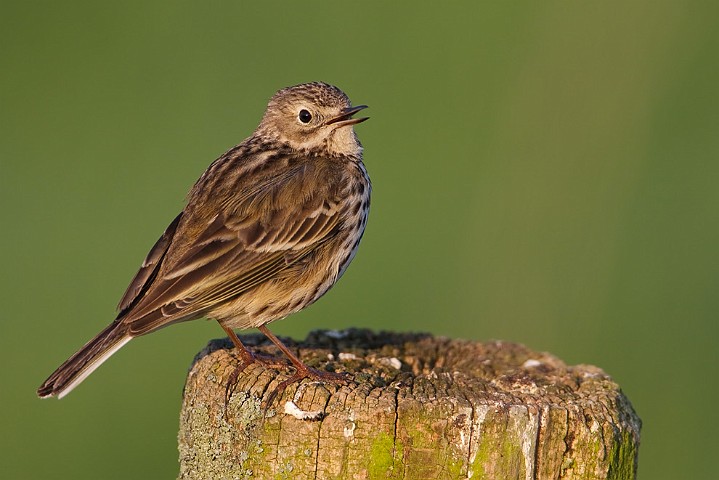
<point x="544" y="172"/>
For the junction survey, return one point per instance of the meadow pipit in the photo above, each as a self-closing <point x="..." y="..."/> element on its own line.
<point x="268" y="228"/>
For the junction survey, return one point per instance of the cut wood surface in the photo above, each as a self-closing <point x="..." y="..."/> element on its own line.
<point x="417" y="407"/>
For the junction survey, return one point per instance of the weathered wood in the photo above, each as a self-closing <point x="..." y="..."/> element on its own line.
<point x="420" y="407"/>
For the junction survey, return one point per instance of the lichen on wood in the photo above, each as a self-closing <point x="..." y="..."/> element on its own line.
<point x="417" y="407"/>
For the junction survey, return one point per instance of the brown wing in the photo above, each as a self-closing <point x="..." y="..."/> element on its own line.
<point x="241" y="247"/>
<point x="148" y="270"/>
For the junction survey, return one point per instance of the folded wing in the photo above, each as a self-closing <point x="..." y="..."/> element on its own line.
<point x="241" y="247"/>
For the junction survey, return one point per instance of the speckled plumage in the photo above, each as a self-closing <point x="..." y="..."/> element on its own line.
<point x="268" y="228"/>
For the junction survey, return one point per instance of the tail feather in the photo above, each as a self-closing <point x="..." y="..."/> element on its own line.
<point x="85" y="361"/>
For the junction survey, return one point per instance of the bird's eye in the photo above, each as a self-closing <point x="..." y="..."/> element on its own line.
<point x="305" y="116"/>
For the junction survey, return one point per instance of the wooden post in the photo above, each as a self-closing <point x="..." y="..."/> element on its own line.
<point x="420" y="407"/>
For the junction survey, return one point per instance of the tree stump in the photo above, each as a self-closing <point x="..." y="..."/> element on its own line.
<point x="419" y="407"/>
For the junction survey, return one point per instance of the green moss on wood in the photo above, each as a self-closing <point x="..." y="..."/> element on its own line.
<point x="382" y="453"/>
<point x="622" y="457"/>
<point x="453" y="409"/>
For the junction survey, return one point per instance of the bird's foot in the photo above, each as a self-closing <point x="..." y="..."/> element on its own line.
<point x="307" y="372"/>
<point x="248" y="358"/>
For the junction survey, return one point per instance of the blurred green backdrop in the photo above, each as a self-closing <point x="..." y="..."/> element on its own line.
<point x="544" y="172"/>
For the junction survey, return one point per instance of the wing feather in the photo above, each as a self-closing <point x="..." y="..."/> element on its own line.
<point x="239" y="249"/>
<point x="143" y="278"/>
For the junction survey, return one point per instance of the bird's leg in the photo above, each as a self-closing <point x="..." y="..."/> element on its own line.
<point x="302" y="371"/>
<point x="248" y="358"/>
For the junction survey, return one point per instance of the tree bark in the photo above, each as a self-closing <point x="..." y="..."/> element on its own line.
<point x="419" y="407"/>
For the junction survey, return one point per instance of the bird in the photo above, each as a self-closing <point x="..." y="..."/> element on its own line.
<point x="266" y="230"/>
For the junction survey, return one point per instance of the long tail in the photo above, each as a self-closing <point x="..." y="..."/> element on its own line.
<point x="85" y="361"/>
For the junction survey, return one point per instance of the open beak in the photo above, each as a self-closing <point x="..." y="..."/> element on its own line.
<point x="346" y="117"/>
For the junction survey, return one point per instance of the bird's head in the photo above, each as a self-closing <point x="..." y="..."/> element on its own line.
<point x="317" y="117"/>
